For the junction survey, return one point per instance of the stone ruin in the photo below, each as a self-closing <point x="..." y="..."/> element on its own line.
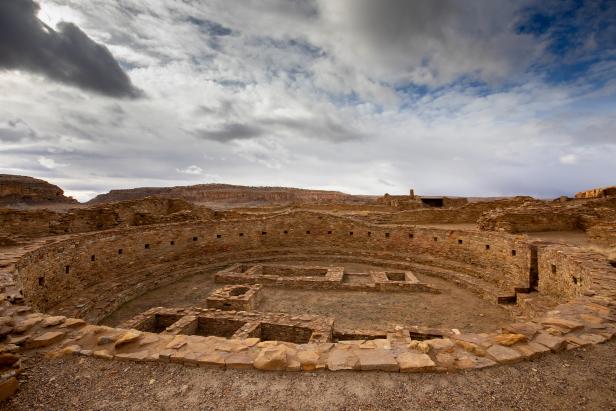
<point x="58" y="284"/>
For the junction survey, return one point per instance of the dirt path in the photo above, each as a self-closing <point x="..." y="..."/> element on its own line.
<point x="575" y="380"/>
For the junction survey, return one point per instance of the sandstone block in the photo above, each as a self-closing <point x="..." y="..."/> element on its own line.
<point x="503" y="355"/>
<point x="104" y="354"/>
<point x="308" y="360"/>
<point x="378" y="359"/>
<point x="342" y="360"/>
<point x="552" y="342"/>
<point x="438" y="344"/>
<point x="510" y="339"/>
<point x="271" y="359"/>
<point x="531" y="349"/>
<point x="565" y="324"/>
<point x="46" y="339"/>
<point x="239" y="360"/>
<point x="127" y="338"/>
<point x="415" y="362"/>
<point x="24" y="325"/>
<point x="8" y="388"/>
<point x="53" y="321"/>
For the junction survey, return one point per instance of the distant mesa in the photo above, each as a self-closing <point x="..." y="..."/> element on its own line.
<point x="23" y="190"/>
<point x="226" y="194"/>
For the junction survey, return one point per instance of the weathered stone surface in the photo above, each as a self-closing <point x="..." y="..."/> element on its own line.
<point x="309" y="360"/>
<point x="52" y="321"/>
<point x="105" y="339"/>
<point x="8" y="388"/>
<point x="552" y="342"/>
<point x="466" y="362"/>
<point x="214" y="359"/>
<point x="528" y="329"/>
<point x="46" y="339"/>
<point x="415" y="362"/>
<point x="127" y="338"/>
<point x="503" y="355"/>
<point x="568" y="325"/>
<point x="420" y="346"/>
<point x="440" y="344"/>
<point x="177" y="342"/>
<point x="531" y="349"/>
<point x="342" y="360"/>
<point x="239" y="360"/>
<point x="271" y="359"/>
<point x="378" y="359"/>
<point x="510" y="339"/>
<point x="24" y="325"/>
<point x="104" y="354"/>
<point x="73" y="323"/>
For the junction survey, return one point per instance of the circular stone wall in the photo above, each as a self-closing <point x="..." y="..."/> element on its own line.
<point x="90" y="275"/>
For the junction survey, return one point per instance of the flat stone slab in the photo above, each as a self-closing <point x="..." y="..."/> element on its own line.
<point x="503" y="355"/>
<point x="46" y="339"/>
<point x="415" y="362"/>
<point x="377" y="360"/>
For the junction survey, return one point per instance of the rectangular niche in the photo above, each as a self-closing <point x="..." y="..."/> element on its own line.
<point x="282" y="332"/>
<point x="157" y="323"/>
<point x="218" y="327"/>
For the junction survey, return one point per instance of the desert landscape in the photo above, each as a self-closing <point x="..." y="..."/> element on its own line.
<point x="307" y="205"/>
<point x="306" y="281"/>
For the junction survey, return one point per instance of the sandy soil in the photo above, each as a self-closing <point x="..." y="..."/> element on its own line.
<point x="454" y="308"/>
<point x="577" y="380"/>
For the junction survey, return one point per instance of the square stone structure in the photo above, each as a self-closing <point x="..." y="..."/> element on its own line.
<point x="241" y="297"/>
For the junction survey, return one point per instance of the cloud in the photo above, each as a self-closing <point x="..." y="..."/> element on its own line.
<point x="192" y="169"/>
<point x="15" y="131"/>
<point x="50" y="163"/>
<point x="230" y="132"/>
<point x="568" y="159"/>
<point x="66" y="55"/>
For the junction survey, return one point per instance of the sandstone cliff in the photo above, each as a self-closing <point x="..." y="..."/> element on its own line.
<point x="16" y="190"/>
<point x="225" y="194"/>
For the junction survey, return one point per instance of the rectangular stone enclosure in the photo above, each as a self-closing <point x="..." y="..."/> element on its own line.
<point x="316" y="277"/>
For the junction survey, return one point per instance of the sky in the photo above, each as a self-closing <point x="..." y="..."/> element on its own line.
<point x="456" y="97"/>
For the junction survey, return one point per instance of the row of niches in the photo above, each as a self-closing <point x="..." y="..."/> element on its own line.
<point x="321" y="277"/>
<point x="387" y="235"/>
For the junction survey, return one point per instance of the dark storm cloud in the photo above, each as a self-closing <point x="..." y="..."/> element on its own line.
<point x="16" y="130"/>
<point x="229" y="132"/>
<point x="325" y="129"/>
<point x="67" y="55"/>
<point x="210" y="27"/>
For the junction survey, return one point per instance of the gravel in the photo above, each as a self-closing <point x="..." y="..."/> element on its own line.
<point x="583" y="379"/>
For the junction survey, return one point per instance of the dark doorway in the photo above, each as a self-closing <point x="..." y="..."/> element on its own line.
<point x="432" y="202"/>
<point x="533" y="281"/>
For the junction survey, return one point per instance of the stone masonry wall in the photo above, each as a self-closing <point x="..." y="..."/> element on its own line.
<point x="56" y="273"/>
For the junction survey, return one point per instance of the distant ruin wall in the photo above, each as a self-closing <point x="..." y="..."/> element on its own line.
<point x="597" y="193"/>
<point x="43" y="222"/>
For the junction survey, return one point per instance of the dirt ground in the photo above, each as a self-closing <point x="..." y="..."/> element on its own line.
<point x="454" y="307"/>
<point x="582" y="379"/>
